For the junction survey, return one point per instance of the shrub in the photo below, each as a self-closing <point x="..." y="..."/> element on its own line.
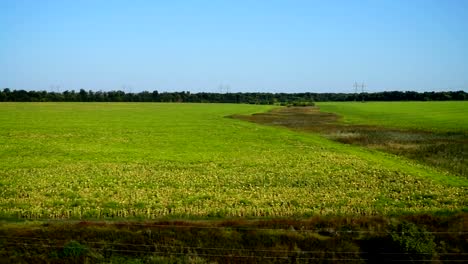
<point x="74" y="249"/>
<point x="415" y="242"/>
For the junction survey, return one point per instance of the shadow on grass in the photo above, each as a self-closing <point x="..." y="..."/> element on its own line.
<point x="446" y="151"/>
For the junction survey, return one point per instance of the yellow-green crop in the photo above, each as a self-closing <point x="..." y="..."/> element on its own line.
<point x="96" y="160"/>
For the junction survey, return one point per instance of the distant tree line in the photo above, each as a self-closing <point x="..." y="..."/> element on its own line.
<point x="82" y="95"/>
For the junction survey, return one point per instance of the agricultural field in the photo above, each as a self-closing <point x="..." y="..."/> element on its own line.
<point x="434" y="133"/>
<point x="432" y="116"/>
<point x="431" y="133"/>
<point x="153" y="160"/>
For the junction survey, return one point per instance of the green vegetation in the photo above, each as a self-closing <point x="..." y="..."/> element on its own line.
<point x="8" y="95"/>
<point x="435" y="116"/>
<point x="137" y="160"/>
<point x="444" y="150"/>
<point x="435" y="133"/>
<point x="315" y="240"/>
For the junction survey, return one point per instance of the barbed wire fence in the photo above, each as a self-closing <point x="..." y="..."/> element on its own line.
<point x="239" y="252"/>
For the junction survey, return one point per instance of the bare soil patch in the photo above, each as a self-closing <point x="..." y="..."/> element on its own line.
<point x="446" y="151"/>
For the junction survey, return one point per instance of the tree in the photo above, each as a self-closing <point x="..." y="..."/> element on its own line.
<point x="83" y="95"/>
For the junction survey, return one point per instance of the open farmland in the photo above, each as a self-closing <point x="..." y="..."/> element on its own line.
<point x="432" y="116"/>
<point x="103" y="160"/>
<point x="432" y="133"/>
<point x="435" y="133"/>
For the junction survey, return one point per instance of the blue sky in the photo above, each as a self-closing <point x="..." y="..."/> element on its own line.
<point x="268" y="46"/>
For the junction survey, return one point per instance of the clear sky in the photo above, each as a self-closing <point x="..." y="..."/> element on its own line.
<point x="248" y="45"/>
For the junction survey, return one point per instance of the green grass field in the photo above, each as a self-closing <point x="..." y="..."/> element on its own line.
<point x="148" y="160"/>
<point x="433" y="116"/>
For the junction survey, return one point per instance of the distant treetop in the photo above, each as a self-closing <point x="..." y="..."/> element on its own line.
<point x="7" y="95"/>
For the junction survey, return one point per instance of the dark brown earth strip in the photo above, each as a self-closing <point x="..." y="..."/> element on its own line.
<point x="445" y="151"/>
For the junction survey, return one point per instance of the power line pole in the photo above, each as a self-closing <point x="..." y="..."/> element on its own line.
<point x="363" y="85"/>
<point x="356" y="86"/>
<point x="224" y="88"/>
<point x="55" y="88"/>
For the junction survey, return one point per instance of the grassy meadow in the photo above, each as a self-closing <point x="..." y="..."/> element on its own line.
<point x="152" y="160"/>
<point x="433" y="116"/>
<point x="431" y="133"/>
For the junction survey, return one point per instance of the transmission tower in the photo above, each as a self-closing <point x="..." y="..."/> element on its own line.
<point x="356" y="86"/>
<point x="363" y="85"/>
